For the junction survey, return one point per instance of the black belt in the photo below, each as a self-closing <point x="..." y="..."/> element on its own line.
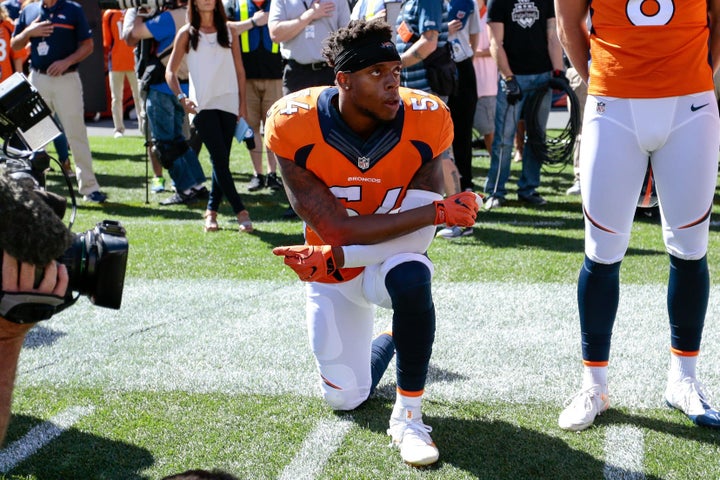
<point x="309" y="66"/>
<point x="44" y="70"/>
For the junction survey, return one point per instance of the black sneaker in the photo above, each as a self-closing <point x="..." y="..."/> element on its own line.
<point x="533" y="199"/>
<point x="256" y="183"/>
<point x="179" y="198"/>
<point x="273" y="182"/>
<point x="202" y="193"/>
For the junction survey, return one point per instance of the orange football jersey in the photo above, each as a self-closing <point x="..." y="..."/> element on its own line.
<point x="371" y="176"/>
<point x="649" y="48"/>
<point x="7" y="54"/>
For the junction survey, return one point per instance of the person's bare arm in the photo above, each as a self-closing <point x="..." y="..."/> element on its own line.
<point x="177" y="55"/>
<point x="572" y="33"/>
<point x="497" y="51"/>
<point x="418" y="51"/>
<point x="285" y="30"/>
<point x="714" y="10"/>
<point x="36" y="28"/>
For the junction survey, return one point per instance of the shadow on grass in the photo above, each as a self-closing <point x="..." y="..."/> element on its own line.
<point x="491" y="449"/>
<point x="77" y="454"/>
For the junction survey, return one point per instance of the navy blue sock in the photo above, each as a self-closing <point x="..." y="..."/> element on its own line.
<point x="413" y="322"/>
<point x="687" y="300"/>
<point x="598" y="296"/>
<point x="383" y="350"/>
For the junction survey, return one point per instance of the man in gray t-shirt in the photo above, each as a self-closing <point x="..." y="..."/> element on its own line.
<point x="300" y="27"/>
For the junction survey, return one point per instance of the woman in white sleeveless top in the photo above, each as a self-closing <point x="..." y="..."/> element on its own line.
<point x="217" y="96"/>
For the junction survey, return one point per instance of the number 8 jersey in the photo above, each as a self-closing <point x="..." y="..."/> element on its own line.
<point x="369" y="176"/>
<point x="648" y="48"/>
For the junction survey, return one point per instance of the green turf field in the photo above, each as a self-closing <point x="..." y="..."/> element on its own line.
<point x="206" y="365"/>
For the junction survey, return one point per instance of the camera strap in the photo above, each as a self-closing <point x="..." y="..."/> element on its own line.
<point x="30" y="307"/>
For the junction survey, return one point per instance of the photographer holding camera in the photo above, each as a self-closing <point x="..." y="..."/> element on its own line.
<point x="18" y="278"/>
<point x="31" y="235"/>
<point x="152" y="36"/>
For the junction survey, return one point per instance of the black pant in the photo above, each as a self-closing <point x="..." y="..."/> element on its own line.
<point x="297" y="76"/>
<point x="462" y="110"/>
<point x="216" y="128"/>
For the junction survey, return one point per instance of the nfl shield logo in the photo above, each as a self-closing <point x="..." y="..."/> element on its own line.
<point x="600" y="107"/>
<point x="363" y="163"/>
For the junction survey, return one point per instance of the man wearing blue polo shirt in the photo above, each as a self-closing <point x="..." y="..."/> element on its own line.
<point x="60" y="38"/>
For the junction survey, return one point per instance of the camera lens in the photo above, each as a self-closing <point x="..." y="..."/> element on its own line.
<point x="96" y="263"/>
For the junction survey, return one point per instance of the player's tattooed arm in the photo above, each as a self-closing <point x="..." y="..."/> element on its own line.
<point x="429" y="177"/>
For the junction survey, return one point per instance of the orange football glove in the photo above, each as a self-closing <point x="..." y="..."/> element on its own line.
<point x="459" y="209"/>
<point x="310" y="262"/>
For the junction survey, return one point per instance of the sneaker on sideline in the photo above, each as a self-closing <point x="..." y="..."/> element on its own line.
<point x="454" y="232"/>
<point x="273" y="182"/>
<point x="256" y="183"/>
<point x="688" y="395"/>
<point x="179" y="198"/>
<point x="412" y="437"/>
<point x="202" y="193"/>
<point x="533" y="199"/>
<point x="118" y="134"/>
<point x="574" y="189"/>
<point x="97" y="196"/>
<point x="580" y="413"/>
<point x="492" y="202"/>
<point x="157" y="184"/>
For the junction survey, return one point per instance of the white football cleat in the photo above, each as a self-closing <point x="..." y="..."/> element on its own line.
<point x="688" y="395"/>
<point x="582" y="409"/>
<point x="412" y="437"/>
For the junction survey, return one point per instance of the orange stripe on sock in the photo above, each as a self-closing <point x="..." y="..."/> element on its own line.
<point x="681" y="353"/>
<point x="588" y="363"/>
<point x="386" y="332"/>
<point x="410" y="394"/>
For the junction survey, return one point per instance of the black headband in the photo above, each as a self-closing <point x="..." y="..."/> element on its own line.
<point x="355" y="58"/>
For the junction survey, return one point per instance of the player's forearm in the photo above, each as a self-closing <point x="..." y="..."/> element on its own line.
<point x="20" y="41"/>
<point x="414" y="242"/>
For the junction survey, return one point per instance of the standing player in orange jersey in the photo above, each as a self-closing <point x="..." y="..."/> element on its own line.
<point x="11" y="61"/>
<point x="363" y="170"/>
<point x="650" y="100"/>
<point x="120" y="60"/>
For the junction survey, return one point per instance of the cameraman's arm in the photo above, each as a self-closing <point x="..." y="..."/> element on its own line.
<point x="20" y="277"/>
<point x="134" y="28"/>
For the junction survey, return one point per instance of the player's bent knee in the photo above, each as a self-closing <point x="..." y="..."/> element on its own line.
<point x="343" y="399"/>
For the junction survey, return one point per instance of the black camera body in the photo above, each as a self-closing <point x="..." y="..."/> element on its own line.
<point x="148" y="4"/>
<point x="96" y="259"/>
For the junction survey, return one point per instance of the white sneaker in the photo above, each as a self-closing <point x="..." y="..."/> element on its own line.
<point x="688" y="395"/>
<point x="582" y="409"/>
<point x="454" y="232"/>
<point x="412" y="437"/>
<point x="574" y="190"/>
<point x="118" y="134"/>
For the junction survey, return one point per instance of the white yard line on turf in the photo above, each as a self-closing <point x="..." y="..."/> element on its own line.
<point x="319" y="445"/>
<point x="624" y="453"/>
<point x="40" y="436"/>
<point x="250" y="337"/>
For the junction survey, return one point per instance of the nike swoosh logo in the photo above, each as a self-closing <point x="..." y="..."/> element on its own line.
<point x="693" y="108"/>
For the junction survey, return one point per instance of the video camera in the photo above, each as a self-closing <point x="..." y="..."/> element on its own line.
<point x="155" y="5"/>
<point x="96" y="259"/>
